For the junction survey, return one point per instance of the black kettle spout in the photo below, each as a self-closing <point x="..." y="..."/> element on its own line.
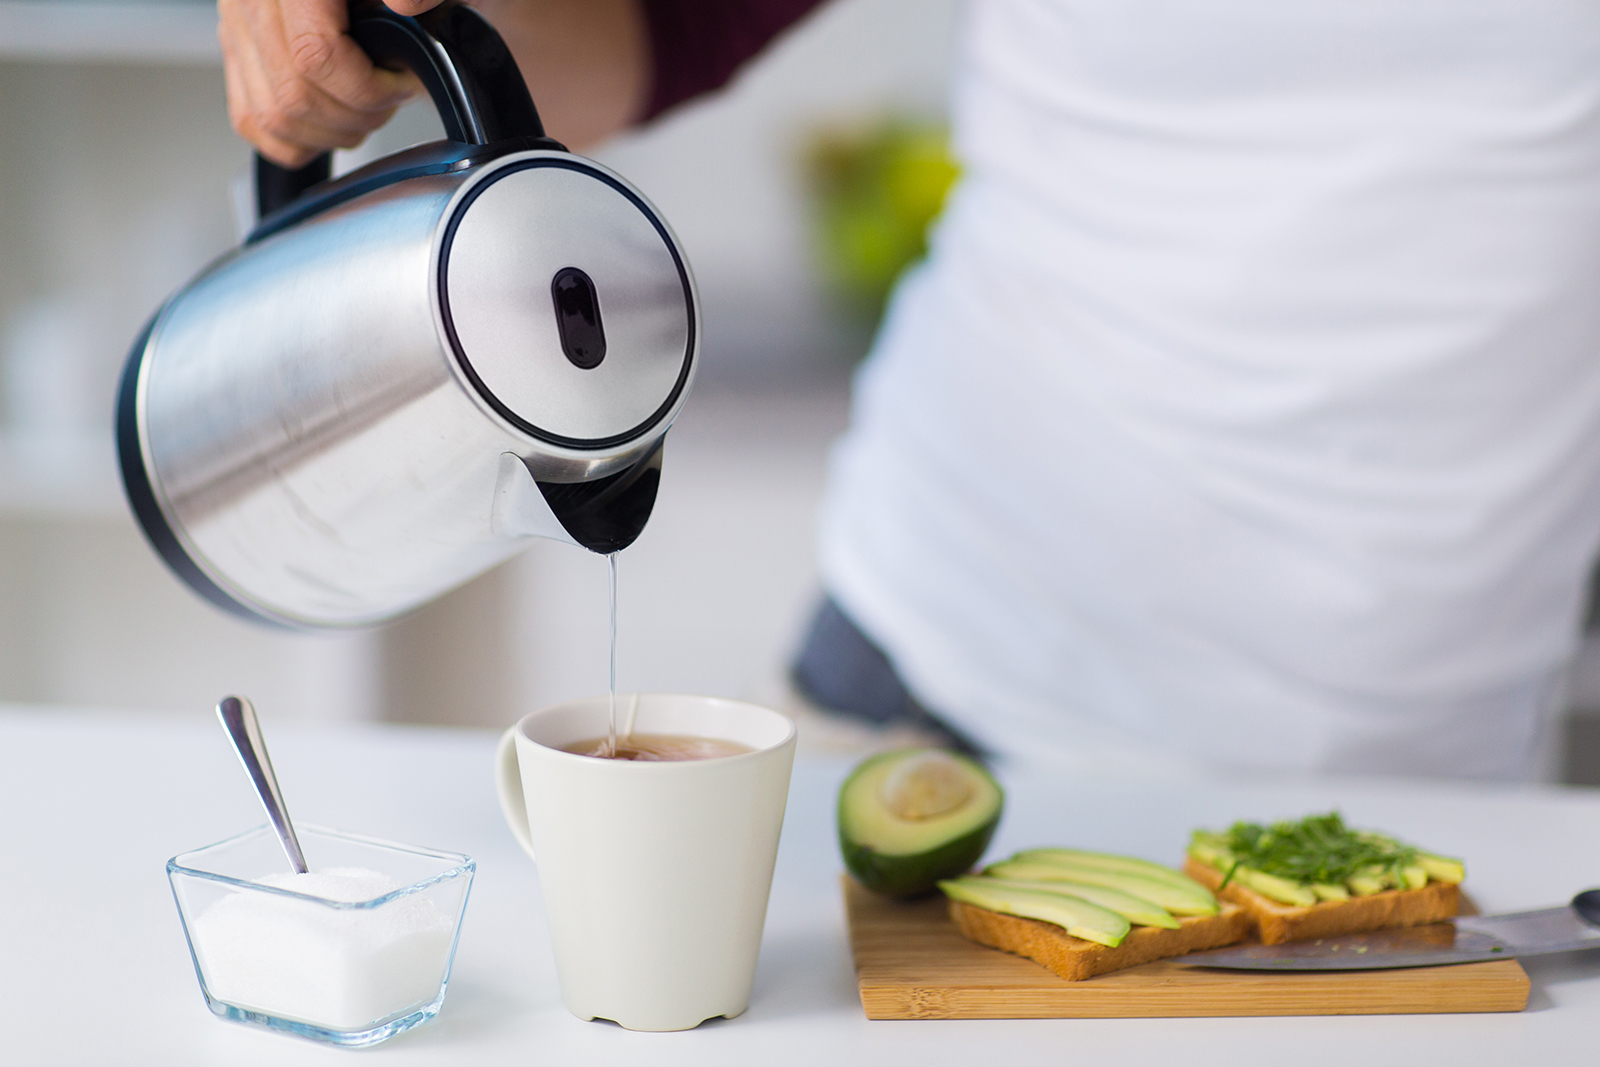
<point x="608" y="514"/>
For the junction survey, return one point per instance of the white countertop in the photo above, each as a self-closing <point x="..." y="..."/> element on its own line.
<point x="93" y="967"/>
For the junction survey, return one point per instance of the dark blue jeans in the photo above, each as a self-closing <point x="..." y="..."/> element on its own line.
<point x="840" y="669"/>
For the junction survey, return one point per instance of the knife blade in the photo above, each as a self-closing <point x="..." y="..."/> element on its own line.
<point x="1468" y="939"/>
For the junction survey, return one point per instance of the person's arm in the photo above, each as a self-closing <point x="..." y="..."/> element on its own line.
<point x="587" y="62"/>
<point x="697" y="45"/>
<point x="297" y="85"/>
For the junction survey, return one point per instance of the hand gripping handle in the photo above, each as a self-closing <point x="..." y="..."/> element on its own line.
<point x="462" y="62"/>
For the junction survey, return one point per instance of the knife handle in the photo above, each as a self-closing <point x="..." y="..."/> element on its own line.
<point x="1587" y="904"/>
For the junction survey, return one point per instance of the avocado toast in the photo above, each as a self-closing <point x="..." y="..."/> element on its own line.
<point x="1319" y="878"/>
<point x="1086" y="913"/>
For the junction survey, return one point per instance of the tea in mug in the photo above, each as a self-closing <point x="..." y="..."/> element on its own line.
<point x="657" y="748"/>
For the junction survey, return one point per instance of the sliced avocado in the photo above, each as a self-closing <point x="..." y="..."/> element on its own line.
<point x="911" y="817"/>
<point x="1414" y="875"/>
<point x="1180" y="899"/>
<point x="1283" y="890"/>
<point x="1442" y="868"/>
<point x="1134" y="909"/>
<point x="1211" y="854"/>
<point x="1078" y="917"/>
<point x="1272" y="887"/>
<point x="1106" y="861"/>
<point x="1367" y="883"/>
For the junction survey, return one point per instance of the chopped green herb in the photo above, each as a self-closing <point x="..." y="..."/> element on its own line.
<point x="1233" y="869"/>
<point x="1318" y="849"/>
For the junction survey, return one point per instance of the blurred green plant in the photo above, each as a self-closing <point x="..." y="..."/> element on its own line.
<point x="877" y="190"/>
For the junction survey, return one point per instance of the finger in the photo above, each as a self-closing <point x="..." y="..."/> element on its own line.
<point x="285" y="154"/>
<point x="280" y="107"/>
<point x="245" y="29"/>
<point x="320" y="50"/>
<point x="294" y="128"/>
<point x="237" y="49"/>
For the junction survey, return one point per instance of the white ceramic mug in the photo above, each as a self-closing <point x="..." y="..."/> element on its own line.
<point x="655" y="875"/>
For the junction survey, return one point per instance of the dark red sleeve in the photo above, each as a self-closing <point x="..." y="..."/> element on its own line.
<point x="698" y="44"/>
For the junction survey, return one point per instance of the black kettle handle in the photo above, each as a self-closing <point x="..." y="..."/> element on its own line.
<point x="462" y="62"/>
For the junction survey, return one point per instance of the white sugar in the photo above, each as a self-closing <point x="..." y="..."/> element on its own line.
<point x="339" y="968"/>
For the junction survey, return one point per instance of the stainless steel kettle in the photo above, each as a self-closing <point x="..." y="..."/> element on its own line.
<point x="403" y="375"/>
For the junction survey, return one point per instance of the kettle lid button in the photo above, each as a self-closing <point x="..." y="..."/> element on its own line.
<point x="583" y="337"/>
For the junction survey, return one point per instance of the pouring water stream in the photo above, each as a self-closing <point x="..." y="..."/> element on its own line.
<point x="611" y="736"/>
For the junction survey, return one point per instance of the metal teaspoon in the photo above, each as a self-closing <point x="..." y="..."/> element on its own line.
<point x="239" y="719"/>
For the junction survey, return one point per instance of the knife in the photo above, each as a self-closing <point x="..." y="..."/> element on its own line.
<point x="1466" y="940"/>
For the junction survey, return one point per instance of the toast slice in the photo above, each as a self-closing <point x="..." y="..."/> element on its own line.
<point x="1276" y="923"/>
<point x="1076" y="959"/>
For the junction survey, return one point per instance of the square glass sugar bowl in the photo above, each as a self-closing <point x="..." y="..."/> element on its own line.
<point x="353" y="953"/>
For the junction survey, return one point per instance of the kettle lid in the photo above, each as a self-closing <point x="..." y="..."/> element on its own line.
<point x="568" y="301"/>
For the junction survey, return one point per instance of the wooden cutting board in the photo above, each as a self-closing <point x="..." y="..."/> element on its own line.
<point x="911" y="963"/>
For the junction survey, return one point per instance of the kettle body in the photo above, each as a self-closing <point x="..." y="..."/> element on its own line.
<point x="403" y="375"/>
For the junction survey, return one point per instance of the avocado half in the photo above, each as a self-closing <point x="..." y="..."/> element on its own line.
<point x="913" y="816"/>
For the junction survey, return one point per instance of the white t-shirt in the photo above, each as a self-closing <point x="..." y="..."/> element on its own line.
<point x="1248" y="406"/>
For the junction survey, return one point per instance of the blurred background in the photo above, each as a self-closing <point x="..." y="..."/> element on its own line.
<point x="800" y="192"/>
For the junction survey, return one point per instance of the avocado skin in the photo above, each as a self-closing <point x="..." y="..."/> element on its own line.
<point x="918" y="875"/>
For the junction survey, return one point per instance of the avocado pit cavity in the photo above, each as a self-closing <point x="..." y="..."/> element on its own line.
<point x="928" y="784"/>
<point x="913" y="816"/>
